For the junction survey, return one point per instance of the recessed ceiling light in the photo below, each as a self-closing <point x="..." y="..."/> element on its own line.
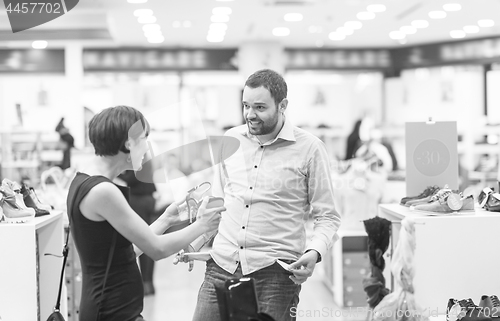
<point x="219" y="18"/>
<point x="397" y="35"/>
<point x="409" y="30"/>
<point x="186" y="24"/>
<point x="452" y="7"/>
<point x="376" y="8"/>
<point x="211" y="38"/>
<point x="39" y="44"/>
<point x="146" y="19"/>
<point x="222" y="11"/>
<point x="281" y="31"/>
<point x="486" y="23"/>
<point x="365" y="15"/>
<point x="471" y="29"/>
<point x="437" y="14"/>
<point x="457" y="34"/>
<point x="420" y="24"/>
<point x="354" y="25"/>
<point x="335" y="36"/>
<point x="151" y="27"/>
<point x="218" y="26"/>
<point x="143" y="12"/>
<point x="137" y="1"/>
<point x="293" y="17"/>
<point x="159" y="39"/>
<point x="153" y="33"/>
<point x="345" y="31"/>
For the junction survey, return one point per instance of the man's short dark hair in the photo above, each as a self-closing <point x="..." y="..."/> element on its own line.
<point x="110" y="129"/>
<point x="270" y="80"/>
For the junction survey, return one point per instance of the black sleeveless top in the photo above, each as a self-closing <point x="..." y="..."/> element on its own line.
<point x="124" y="293"/>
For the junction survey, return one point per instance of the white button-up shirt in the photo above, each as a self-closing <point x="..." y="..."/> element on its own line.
<point x="270" y="190"/>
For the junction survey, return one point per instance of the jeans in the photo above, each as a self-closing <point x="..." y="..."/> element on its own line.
<point x="276" y="293"/>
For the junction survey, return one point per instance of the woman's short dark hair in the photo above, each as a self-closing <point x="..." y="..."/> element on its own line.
<point x="270" y="80"/>
<point x="110" y="129"/>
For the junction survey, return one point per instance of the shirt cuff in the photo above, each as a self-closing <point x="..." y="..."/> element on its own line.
<point x="319" y="246"/>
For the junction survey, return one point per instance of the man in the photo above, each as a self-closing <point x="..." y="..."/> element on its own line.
<point x="279" y="176"/>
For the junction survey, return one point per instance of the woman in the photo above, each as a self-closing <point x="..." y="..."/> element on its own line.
<point x="98" y="209"/>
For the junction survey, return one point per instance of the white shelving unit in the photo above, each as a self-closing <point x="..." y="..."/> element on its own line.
<point x="29" y="280"/>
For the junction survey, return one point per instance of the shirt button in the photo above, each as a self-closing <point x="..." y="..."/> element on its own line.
<point x="255" y="166"/>
<point x="241" y="247"/>
<point x="261" y="146"/>
<point x="243" y="227"/>
<point x="251" y="187"/>
<point x="246" y="206"/>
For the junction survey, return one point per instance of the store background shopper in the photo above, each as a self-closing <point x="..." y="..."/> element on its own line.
<point x="67" y="142"/>
<point x="281" y="176"/>
<point x="99" y="212"/>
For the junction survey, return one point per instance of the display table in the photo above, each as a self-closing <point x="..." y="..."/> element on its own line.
<point x="29" y="280"/>
<point x="456" y="256"/>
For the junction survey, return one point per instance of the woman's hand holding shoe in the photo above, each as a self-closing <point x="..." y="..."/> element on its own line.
<point x="209" y="218"/>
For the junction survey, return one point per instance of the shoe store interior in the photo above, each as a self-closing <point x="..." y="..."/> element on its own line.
<point x="402" y="94"/>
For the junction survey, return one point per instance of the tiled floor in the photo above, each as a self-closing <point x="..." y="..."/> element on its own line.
<point x="177" y="289"/>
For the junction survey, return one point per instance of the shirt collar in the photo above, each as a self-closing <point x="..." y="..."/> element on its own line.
<point x="286" y="132"/>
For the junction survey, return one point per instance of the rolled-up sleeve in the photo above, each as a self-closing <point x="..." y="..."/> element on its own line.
<point x="320" y="190"/>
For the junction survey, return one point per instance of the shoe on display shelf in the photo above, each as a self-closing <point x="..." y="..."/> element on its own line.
<point x="483" y="196"/>
<point x="28" y="200"/>
<point x="430" y="190"/>
<point x="464" y="310"/>
<point x="491" y="306"/>
<point x="447" y="203"/>
<point x="12" y="211"/>
<point x="493" y="202"/>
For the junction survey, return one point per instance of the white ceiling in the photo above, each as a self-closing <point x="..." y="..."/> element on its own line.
<point x="112" y="23"/>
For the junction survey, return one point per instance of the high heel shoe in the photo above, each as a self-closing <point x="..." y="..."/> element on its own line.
<point x="28" y="200"/>
<point x="13" y="212"/>
<point x="39" y="203"/>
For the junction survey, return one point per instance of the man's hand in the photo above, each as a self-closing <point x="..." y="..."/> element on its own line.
<point x="303" y="268"/>
<point x="181" y="257"/>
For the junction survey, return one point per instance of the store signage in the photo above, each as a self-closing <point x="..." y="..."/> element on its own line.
<point x="471" y="51"/>
<point x="431" y="155"/>
<point x="31" y="61"/>
<point x="158" y="59"/>
<point x="337" y="59"/>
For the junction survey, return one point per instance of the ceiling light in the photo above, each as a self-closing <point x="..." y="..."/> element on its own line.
<point x="471" y="29"/>
<point x="420" y="24"/>
<point x="457" y="34"/>
<point x="486" y="23"/>
<point x="335" y="36"/>
<point x="365" y="15"/>
<point x="218" y="26"/>
<point x="211" y="38"/>
<point x="222" y="11"/>
<point x="186" y="24"/>
<point x="146" y="19"/>
<point x="153" y="33"/>
<point x="376" y="8"/>
<point x="293" y="17"/>
<point x="354" y="25"/>
<point x="151" y="27"/>
<point x="315" y="29"/>
<point x="137" y="1"/>
<point x="409" y="30"/>
<point x="143" y="12"/>
<point x="219" y="18"/>
<point x="281" y="32"/>
<point x="345" y="31"/>
<point x="437" y="14"/>
<point x="39" y="44"/>
<point x="397" y="35"/>
<point x="158" y="39"/>
<point x="452" y="7"/>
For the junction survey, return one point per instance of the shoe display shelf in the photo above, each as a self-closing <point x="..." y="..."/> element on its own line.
<point x="456" y="255"/>
<point x="20" y="154"/>
<point x="29" y="279"/>
<point x="345" y="266"/>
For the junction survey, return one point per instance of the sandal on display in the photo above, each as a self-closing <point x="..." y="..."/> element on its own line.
<point x="12" y="211"/>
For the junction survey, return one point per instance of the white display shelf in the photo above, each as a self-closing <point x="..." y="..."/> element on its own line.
<point x="25" y="293"/>
<point x="456" y="255"/>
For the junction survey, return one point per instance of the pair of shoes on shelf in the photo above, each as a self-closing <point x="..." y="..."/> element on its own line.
<point x="24" y="198"/>
<point x="13" y="212"/>
<point x="430" y="190"/>
<point x="489" y="200"/>
<point x="447" y="201"/>
<point x="466" y="310"/>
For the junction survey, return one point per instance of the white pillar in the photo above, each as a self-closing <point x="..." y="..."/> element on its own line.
<point x="253" y="56"/>
<point x="73" y="112"/>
